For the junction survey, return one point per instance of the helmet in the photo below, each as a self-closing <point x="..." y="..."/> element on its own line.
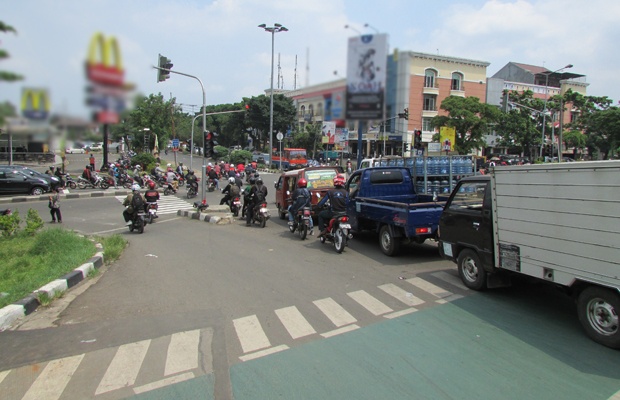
<point x="180" y="163"/>
<point x="339" y="180"/>
<point x="168" y="165"/>
<point x="259" y="181"/>
<point x="302" y="183"/>
<point x="157" y="165"/>
<point x="209" y="165"/>
<point x="151" y="185"/>
<point x="191" y="172"/>
<point x="117" y="164"/>
<point x="252" y="180"/>
<point x="51" y="167"/>
<point x="135" y="187"/>
<point x="231" y="180"/>
<point x="138" y="166"/>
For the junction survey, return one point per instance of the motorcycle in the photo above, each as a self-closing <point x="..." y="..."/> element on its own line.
<point x="261" y="214"/>
<point x="125" y="181"/>
<point x="211" y="185"/>
<point x="138" y="222"/>
<point x="70" y="182"/>
<point x="83" y="183"/>
<point x="338" y="232"/>
<point x="169" y="189"/>
<point x="235" y="206"/>
<point x="192" y="190"/>
<point x="301" y="223"/>
<point x="180" y="179"/>
<point x="151" y="211"/>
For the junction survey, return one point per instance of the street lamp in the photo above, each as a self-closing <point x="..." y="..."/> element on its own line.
<point x="367" y="25"/>
<point x="353" y="29"/>
<point x="542" y="143"/>
<point x="191" y="148"/>
<point x="273" y="29"/>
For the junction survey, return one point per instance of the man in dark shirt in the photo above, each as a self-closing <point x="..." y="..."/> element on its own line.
<point x="338" y="198"/>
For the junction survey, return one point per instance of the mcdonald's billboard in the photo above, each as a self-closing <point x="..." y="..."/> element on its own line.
<point x="104" y="64"/>
<point x="35" y="103"/>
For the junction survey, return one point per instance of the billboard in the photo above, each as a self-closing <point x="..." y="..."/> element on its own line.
<point x="35" y="103"/>
<point x="366" y="77"/>
<point x="328" y="133"/>
<point x="447" y="138"/>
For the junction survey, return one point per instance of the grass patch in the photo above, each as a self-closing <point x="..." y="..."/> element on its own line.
<point x="113" y="246"/>
<point x="29" y="262"/>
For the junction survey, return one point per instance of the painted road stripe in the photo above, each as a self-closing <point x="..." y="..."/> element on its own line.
<point x="124" y="367"/>
<point x="334" y="311"/>
<point x="52" y="381"/>
<point x="340" y="331"/>
<point x="182" y="352"/>
<point x="295" y="323"/>
<point x="451" y="279"/>
<point x="163" y="383"/>
<point x="264" y="353"/>
<point x="429" y="287"/>
<point x="370" y="303"/>
<point x="401" y="313"/>
<point x="3" y="375"/>
<point x="166" y="204"/>
<point x="401" y="295"/>
<point x="250" y="334"/>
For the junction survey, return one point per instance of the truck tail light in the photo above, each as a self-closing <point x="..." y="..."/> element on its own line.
<point x="421" y="231"/>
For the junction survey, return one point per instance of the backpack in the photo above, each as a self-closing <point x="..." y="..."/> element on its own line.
<point x="137" y="202"/>
<point x="259" y="196"/>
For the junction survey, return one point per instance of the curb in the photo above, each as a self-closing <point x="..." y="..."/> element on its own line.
<point x="29" y="199"/>
<point x="224" y="219"/>
<point x="30" y="303"/>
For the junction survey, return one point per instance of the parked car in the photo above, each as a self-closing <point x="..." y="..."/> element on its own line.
<point x="53" y="181"/>
<point x="13" y="181"/>
<point x="75" y="150"/>
<point x="96" y="147"/>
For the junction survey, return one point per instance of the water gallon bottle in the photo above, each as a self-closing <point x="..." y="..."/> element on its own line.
<point x="419" y="166"/>
<point x="430" y="165"/>
<point x="466" y="166"/>
<point x="456" y="165"/>
<point x="443" y="166"/>
<point x="445" y="186"/>
<point x="436" y="187"/>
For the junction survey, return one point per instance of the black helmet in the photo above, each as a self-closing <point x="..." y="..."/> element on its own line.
<point x="252" y="180"/>
<point x="259" y="181"/>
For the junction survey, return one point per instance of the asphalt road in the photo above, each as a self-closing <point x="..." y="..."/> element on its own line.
<point x="194" y="309"/>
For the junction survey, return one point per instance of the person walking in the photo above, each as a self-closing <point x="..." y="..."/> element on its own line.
<point x="55" y="206"/>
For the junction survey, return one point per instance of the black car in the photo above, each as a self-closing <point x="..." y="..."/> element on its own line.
<point x="14" y="181"/>
<point x="53" y="181"/>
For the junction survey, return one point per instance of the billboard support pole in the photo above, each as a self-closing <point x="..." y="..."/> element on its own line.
<point x="360" y="130"/>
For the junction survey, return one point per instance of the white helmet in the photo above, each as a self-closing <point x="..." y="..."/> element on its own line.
<point x="231" y="180"/>
<point x="210" y="165"/>
<point x="168" y="165"/>
<point x="135" y="187"/>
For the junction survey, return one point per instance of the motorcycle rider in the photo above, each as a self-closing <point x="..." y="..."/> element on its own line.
<point x="136" y="175"/>
<point x="301" y="198"/>
<point x="157" y="171"/>
<point x="192" y="180"/>
<point x="338" y="198"/>
<point x="59" y="175"/>
<point x="179" y="169"/>
<point x="171" y="178"/>
<point x="88" y="174"/>
<point x="129" y="213"/>
<point x="213" y="175"/>
<point x="246" y="195"/>
<point x="258" y="194"/>
<point x="151" y="195"/>
<point x="230" y="191"/>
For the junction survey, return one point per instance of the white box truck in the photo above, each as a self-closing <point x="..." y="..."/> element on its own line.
<point x="556" y="222"/>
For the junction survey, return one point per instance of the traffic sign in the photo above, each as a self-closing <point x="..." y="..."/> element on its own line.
<point x="175" y="143"/>
<point x="279" y="136"/>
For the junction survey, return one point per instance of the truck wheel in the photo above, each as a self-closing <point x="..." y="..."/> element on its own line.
<point x="598" y="310"/>
<point x="470" y="270"/>
<point x="388" y="243"/>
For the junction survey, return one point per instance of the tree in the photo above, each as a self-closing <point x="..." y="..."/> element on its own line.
<point x="470" y="118"/>
<point x="521" y="126"/>
<point x="5" y="75"/>
<point x="574" y="139"/>
<point x="257" y="117"/>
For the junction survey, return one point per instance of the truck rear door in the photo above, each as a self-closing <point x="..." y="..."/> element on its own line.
<point x="466" y="221"/>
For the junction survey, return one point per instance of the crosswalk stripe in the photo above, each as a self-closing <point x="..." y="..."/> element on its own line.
<point x="451" y="279"/>
<point x="370" y="303"/>
<point x="164" y="382"/>
<point x="167" y="204"/>
<point x="52" y="381"/>
<point x="429" y="287"/>
<point x="250" y="334"/>
<point x="335" y="312"/>
<point x="401" y="295"/>
<point x="182" y="352"/>
<point x="295" y="323"/>
<point x="124" y="367"/>
<point x="3" y="375"/>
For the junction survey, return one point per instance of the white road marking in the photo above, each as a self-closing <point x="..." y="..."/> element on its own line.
<point x="295" y="323"/>
<point x="167" y="204"/>
<point x="250" y="334"/>
<point x="52" y="381"/>
<point x="370" y="303"/>
<point x="163" y="383"/>
<point x="335" y="312"/>
<point x="340" y="331"/>
<point x="124" y="368"/>
<point x="182" y="352"/>
<point x="3" y="375"/>
<point x="401" y="295"/>
<point x="429" y="287"/>
<point x="264" y="353"/>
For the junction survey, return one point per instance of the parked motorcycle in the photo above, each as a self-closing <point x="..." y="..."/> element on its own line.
<point x="83" y="183"/>
<point x="261" y="214"/>
<point x="151" y="211"/>
<point x="301" y="223"/>
<point x="338" y="232"/>
<point x="125" y="181"/>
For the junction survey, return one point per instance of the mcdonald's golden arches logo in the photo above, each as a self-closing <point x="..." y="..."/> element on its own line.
<point x="104" y="64"/>
<point x="35" y="103"/>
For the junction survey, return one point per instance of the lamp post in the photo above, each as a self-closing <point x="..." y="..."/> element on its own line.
<point x="542" y="143"/>
<point x="353" y="29"/>
<point x="273" y="30"/>
<point x="367" y="25"/>
<point x="191" y="150"/>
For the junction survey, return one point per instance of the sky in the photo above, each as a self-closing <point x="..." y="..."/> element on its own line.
<point x="219" y="41"/>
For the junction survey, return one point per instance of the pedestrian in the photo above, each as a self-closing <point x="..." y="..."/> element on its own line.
<point x="91" y="161"/>
<point x="54" y="206"/>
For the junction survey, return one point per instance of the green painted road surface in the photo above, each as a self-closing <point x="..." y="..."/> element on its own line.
<point x="479" y="347"/>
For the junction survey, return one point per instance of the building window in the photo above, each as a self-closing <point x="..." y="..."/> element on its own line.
<point x="302" y="111"/>
<point x="426" y="125"/>
<point x="457" y="81"/>
<point x="429" y="78"/>
<point x="429" y="102"/>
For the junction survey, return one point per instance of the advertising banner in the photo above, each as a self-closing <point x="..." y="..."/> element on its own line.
<point x="35" y="103"/>
<point x="328" y="133"/>
<point x="366" y="77"/>
<point x="447" y="138"/>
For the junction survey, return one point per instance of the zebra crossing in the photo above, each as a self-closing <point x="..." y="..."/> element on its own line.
<point x="145" y="365"/>
<point x="254" y="339"/>
<point x="166" y="204"/>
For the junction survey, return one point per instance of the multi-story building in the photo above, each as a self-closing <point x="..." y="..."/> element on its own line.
<point x="415" y="81"/>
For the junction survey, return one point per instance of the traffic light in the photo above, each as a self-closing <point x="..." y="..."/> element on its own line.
<point x="404" y="114"/>
<point x="210" y="143"/>
<point x="417" y="139"/>
<point x="165" y="63"/>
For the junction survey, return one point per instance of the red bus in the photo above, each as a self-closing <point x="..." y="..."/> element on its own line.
<point x="290" y="159"/>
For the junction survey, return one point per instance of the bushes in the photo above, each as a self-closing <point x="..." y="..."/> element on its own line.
<point x="9" y="224"/>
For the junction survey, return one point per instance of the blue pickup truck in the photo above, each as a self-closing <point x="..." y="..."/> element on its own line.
<point x="383" y="200"/>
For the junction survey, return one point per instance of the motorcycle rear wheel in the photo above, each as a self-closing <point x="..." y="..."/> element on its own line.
<point x="104" y="185"/>
<point x="71" y="185"/>
<point x="81" y="185"/>
<point x="303" y="231"/>
<point x="339" y="240"/>
<point x="166" y="192"/>
<point x="181" y="183"/>
<point x="140" y="226"/>
<point x="263" y="221"/>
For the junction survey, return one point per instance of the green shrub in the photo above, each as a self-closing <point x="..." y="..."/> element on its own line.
<point x="33" y="222"/>
<point x="10" y="223"/>
<point x="145" y="160"/>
